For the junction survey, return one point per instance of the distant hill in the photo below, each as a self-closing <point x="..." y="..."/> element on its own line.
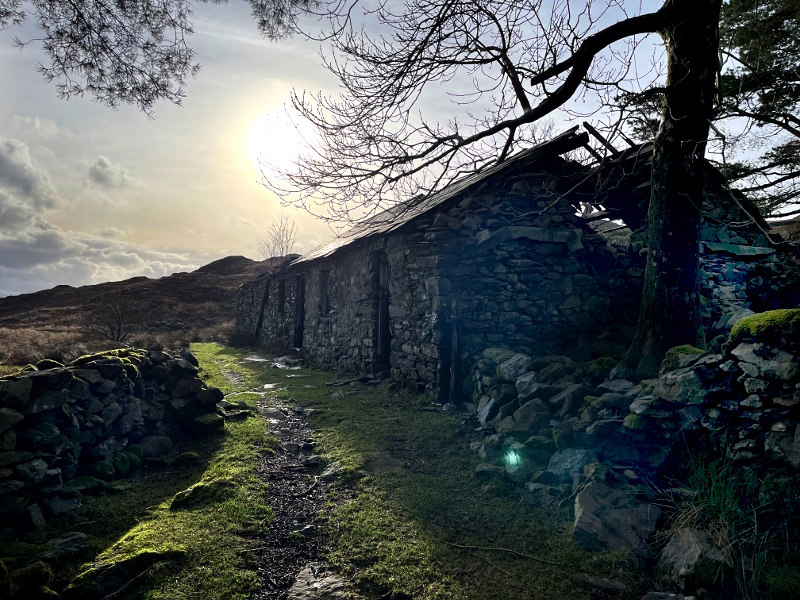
<point x="181" y="307"/>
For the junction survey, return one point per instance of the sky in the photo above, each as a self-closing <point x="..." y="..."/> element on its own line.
<point x="90" y="194"/>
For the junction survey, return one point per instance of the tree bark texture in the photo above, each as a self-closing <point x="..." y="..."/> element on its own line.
<point x="670" y="310"/>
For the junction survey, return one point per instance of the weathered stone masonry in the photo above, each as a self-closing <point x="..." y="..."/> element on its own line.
<point x="500" y="261"/>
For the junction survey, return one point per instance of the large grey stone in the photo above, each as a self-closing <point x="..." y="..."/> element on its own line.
<point x="488" y="412"/>
<point x="531" y="385"/>
<point x="690" y="561"/>
<point x="64" y="546"/>
<point x="32" y="472"/>
<point x="612" y="519"/>
<point x="779" y="365"/>
<point x="569" y="400"/>
<point x="15" y="394"/>
<point x="530" y="417"/>
<point x="682" y="385"/>
<point x="513" y="368"/>
<point x="155" y="446"/>
<point x="48" y="401"/>
<point x="617" y="386"/>
<point x="565" y="464"/>
<point x="8" y="418"/>
<point x="315" y="583"/>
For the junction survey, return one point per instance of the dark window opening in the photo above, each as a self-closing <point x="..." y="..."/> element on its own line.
<point x="281" y="296"/>
<point x="324" y="296"/>
<point x="299" y="312"/>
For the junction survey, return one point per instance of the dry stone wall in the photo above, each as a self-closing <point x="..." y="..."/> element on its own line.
<point x="98" y="417"/>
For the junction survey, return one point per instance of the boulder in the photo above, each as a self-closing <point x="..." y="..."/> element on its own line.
<point x="510" y="370"/>
<point x="568" y="400"/>
<point x="690" y="561"/>
<point x="8" y="418"/>
<point x="155" y="446"/>
<point x="65" y="546"/>
<point x="26" y="582"/>
<point x="15" y="394"/>
<point x="530" y="385"/>
<point x="530" y="417"/>
<point x="617" y="386"/>
<point x="498" y="355"/>
<point x="208" y="424"/>
<point x="488" y="412"/>
<point x="566" y="463"/>
<point x="612" y="519"/>
<point x="610" y="400"/>
<point x="48" y="401"/>
<point x="314" y="583"/>
<point x="771" y="364"/>
<point x="184" y="387"/>
<point x="681" y="385"/>
<point x="32" y="472"/>
<point x="32" y="518"/>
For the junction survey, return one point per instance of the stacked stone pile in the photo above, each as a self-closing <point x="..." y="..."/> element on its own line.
<point x="64" y="429"/>
<point x="586" y="430"/>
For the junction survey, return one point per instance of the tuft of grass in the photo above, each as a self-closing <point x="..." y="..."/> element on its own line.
<point x="748" y="519"/>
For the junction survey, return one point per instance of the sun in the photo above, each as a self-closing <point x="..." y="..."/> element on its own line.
<point x="275" y="142"/>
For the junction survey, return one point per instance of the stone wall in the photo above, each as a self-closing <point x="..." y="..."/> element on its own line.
<point x="249" y="309"/>
<point x="345" y="335"/>
<point x="98" y="417"/>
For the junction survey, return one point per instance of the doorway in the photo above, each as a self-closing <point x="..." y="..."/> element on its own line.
<point x="384" y="326"/>
<point x="299" y="311"/>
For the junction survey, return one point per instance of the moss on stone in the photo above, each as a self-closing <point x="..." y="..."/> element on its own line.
<point x="86" y="484"/>
<point x="559" y="439"/>
<point x="207" y="424"/>
<point x="601" y="367"/>
<point x="672" y="360"/>
<point x="186" y="458"/>
<point x="136" y="449"/>
<point x="771" y="327"/>
<point x="634" y="422"/>
<point x="45" y="592"/>
<point x="48" y="363"/>
<point x="3" y="569"/>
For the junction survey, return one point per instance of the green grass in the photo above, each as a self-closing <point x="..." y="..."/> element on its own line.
<point x="391" y="534"/>
<point x="398" y="533"/>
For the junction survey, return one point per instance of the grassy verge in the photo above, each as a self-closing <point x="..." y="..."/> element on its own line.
<point x="398" y="534"/>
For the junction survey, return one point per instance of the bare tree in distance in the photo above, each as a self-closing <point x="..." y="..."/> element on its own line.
<point x="280" y="239"/>
<point x="114" y="319"/>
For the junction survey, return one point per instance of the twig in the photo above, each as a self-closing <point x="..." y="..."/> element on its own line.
<point x="536" y="558"/>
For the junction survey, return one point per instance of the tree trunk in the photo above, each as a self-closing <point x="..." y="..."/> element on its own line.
<point x="670" y="311"/>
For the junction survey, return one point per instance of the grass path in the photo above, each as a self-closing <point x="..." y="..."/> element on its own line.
<point x="392" y="533"/>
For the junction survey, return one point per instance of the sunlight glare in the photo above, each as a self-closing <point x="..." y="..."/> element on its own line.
<point x="275" y="143"/>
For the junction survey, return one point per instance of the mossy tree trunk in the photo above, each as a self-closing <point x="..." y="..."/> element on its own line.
<point x="670" y="309"/>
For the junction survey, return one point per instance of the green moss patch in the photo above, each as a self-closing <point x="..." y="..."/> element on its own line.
<point x="675" y="355"/>
<point x="771" y="327"/>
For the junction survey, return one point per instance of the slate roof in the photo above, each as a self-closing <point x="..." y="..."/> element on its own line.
<point x="395" y="217"/>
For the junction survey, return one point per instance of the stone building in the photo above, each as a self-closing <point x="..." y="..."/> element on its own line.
<point x="519" y="257"/>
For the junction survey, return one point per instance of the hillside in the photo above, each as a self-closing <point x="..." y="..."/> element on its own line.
<point x="175" y="309"/>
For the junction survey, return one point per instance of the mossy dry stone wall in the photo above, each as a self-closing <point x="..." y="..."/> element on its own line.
<point x="98" y="417"/>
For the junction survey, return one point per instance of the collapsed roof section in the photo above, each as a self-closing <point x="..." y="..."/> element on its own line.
<point x="615" y="188"/>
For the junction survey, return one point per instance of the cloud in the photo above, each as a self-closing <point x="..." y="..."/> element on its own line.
<point x="42" y="127"/>
<point x="23" y="177"/>
<point x="35" y="254"/>
<point x="112" y="232"/>
<point x="107" y="174"/>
